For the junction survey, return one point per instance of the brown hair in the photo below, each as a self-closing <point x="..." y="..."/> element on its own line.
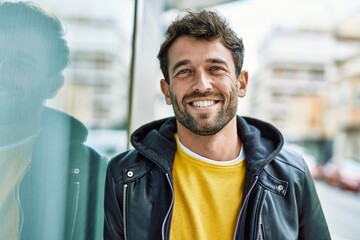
<point x="202" y="25"/>
<point x="27" y="15"/>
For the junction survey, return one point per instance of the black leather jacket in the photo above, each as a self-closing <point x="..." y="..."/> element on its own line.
<point x="62" y="193"/>
<point x="280" y="199"/>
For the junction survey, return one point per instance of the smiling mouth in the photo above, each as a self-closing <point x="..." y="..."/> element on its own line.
<point x="201" y="104"/>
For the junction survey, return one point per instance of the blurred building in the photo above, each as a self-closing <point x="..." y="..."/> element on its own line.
<point x="96" y="82"/>
<point x="343" y="108"/>
<point x="308" y="86"/>
<point x="289" y="89"/>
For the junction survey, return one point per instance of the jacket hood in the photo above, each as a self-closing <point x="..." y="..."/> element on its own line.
<point x="155" y="140"/>
<point x="58" y="125"/>
<point x="261" y="142"/>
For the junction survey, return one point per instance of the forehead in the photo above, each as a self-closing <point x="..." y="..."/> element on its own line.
<point x="197" y="51"/>
<point x="24" y="43"/>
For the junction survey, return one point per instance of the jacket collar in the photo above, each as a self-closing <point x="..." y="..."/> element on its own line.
<point x="261" y="142"/>
<point x="156" y="141"/>
<point x="56" y="124"/>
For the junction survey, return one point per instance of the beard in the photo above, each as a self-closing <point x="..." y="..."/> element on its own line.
<point x="202" y="124"/>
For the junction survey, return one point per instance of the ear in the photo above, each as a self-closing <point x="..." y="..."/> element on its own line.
<point x="165" y="89"/>
<point x="54" y="84"/>
<point x="243" y="82"/>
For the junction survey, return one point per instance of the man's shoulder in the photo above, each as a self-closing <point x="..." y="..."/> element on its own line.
<point x="292" y="158"/>
<point x="288" y="164"/>
<point x="123" y="159"/>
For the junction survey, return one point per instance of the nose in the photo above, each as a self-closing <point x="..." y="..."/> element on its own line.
<point x="202" y="82"/>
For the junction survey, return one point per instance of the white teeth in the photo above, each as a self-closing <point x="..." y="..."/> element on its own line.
<point x="203" y="103"/>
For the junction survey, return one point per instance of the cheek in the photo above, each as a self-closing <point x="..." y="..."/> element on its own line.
<point x="175" y="98"/>
<point x="227" y="84"/>
<point x="176" y="90"/>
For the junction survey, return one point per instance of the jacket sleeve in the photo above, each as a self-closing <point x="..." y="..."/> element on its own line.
<point x="312" y="223"/>
<point x="113" y="223"/>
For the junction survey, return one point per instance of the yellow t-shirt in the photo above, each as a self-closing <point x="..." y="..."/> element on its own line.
<point x="208" y="196"/>
<point x="14" y="162"/>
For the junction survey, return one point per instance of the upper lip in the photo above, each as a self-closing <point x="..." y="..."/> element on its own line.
<point x="202" y="100"/>
<point x="207" y="103"/>
<point x="202" y="97"/>
<point x="196" y="96"/>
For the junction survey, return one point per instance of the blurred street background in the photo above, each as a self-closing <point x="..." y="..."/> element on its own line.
<point x="303" y="59"/>
<point x="342" y="211"/>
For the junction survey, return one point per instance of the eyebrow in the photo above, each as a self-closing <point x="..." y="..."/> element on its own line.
<point x="187" y="61"/>
<point x="217" y="60"/>
<point x="179" y="64"/>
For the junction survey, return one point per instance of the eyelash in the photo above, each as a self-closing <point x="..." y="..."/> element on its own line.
<point x="182" y="71"/>
<point x="212" y="68"/>
<point x="216" y="68"/>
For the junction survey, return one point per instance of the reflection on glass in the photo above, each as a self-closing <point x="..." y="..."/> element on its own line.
<point x="51" y="183"/>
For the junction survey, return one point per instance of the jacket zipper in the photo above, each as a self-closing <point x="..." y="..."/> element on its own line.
<point x="259" y="214"/>
<point x="75" y="208"/>
<point x="21" y="220"/>
<point x="169" y="210"/>
<point x="124" y="210"/>
<point x="244" y="203"/>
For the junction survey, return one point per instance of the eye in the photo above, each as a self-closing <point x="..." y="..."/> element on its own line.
<point x="183" y="72"/>
<point x="216" y="68"/>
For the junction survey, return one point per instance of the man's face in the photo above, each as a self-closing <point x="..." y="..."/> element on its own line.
<point x="203" y="88"/>
<point x="23" y="73"/>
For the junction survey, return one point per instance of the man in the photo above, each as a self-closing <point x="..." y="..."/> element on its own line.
<point x="207" y="173"/>
<point x="48" y="177"/>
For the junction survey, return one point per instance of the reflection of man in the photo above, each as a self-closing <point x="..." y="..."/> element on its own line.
<point x="207" y="173"/>
<point x="45" y="169"/>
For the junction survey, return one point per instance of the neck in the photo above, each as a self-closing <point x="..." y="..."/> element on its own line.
<point x="222" y="146"/>
<point x="11" y="133"/>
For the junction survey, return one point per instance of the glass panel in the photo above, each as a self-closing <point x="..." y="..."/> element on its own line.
<point x="64" y="77"/>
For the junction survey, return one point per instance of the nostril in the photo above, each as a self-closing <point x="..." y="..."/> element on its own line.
<point x="202" y="85"/>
